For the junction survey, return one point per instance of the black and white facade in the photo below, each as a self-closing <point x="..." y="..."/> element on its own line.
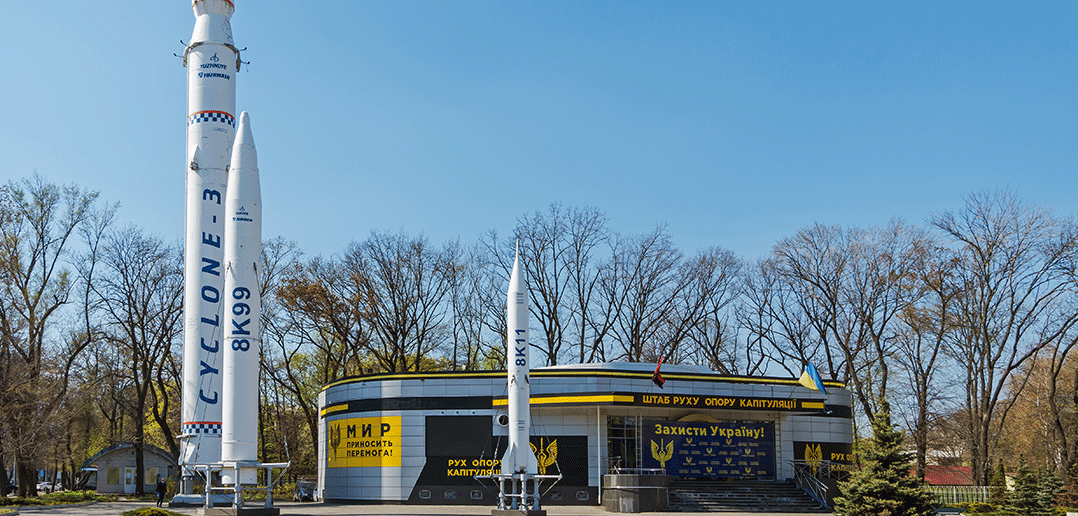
<point x="421" y="438"/>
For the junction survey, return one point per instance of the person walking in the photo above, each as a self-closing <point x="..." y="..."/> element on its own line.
<point x="161" y="488"/>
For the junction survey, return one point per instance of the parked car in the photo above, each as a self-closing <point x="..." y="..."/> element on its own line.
<point x="45" y="487"/>
<point x="304" y="491"/>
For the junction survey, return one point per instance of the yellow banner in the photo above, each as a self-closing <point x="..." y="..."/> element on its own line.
<point x="364" y="442"/>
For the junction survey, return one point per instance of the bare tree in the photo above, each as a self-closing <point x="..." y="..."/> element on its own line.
<point x="884" y="281"/>
<point x="407" y="284"/>
<point x="929" y="323"/>
<point x="605" y="308"/>
<point x="106" y="389"/>
<point x="851" y="285"/>
<point x="468" y="284"/>
<point x="383" y="305"/>
<point x="1062" y="377"/>
<point x="492" y="282"/>
<point x="588" y="235"/>
<point x="775" y="321"/>
<point x="165" y="395"/>
<point x="812" y="264"/>
<point x="326" y="308"/>
<point x="37" y="221"/>
<point x="545" y="255"/>
<point x="140" y="296"/>
<point x="650" y="287"/>
<point x="1015" y="284"/>
<point x="557" y="250"/>
<point x="1042" y="423"/>
<point x="716" y="284"/>
<point x="1061" y="397"/>
<point x="287" y="356"/>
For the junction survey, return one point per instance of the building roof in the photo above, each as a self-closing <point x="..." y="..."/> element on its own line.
<point x="630" y="366"/>
<point x="626" y="370"/>
<point x="948" y="475"/>
<point x="146" y="448"/>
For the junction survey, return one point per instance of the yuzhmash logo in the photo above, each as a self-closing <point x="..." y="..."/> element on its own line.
<point x="242" y="215"/>
<point x="214" y="64"/>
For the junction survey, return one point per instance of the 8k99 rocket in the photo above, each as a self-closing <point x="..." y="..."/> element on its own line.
<point x="518" y="457"/>
<point x="243" y="308"/>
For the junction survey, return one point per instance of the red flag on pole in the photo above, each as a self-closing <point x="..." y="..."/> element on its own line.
<point x="657" y="378"/>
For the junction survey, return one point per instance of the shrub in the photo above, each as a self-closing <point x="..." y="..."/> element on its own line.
<point x="5" y="501"/>
<point x="284" y="490"/>
<point x="61" y="498"/>
<point x="981" y="507"/>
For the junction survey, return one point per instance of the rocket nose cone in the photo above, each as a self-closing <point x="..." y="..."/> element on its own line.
<point x="244" y="131"/>
<point x="516" y="276"/>
<point x="243" y="148"/>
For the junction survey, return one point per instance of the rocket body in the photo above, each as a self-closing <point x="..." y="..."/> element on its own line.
<point x="212" y="62"/>
<point x="519" y="457"/>
<point x="242" y="341"/>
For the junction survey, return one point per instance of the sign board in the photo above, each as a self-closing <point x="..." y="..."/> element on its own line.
<point x="363" y="442"/>
<point x="726" y="449"/>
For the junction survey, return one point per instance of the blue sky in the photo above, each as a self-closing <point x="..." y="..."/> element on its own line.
<point x="735" y="123"/>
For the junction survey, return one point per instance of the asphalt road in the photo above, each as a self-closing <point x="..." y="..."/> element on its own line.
<point x="298" y="509"/>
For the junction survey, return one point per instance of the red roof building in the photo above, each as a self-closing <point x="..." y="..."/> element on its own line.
<point x="948" y="475"/>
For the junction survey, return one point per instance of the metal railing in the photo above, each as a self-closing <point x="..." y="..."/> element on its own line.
<point x="810" y="476"/>
<point x="637" y="471"/>
<point x="613" y="466"/>
<point x="959" y="494"/>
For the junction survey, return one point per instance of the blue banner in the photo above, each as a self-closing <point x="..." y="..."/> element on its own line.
<point x="727" y="449"/>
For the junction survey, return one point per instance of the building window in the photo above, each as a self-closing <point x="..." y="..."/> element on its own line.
<point x="112" y="476"/>
<point x="622" y="445"/>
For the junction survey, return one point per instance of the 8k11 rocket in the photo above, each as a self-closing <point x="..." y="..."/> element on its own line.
<point x="519" y="457"/>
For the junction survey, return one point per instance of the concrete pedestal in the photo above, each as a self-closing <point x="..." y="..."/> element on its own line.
<point x="245" y="511"/>
<point x="518" y="512"/>
<point x="635" y="493"/>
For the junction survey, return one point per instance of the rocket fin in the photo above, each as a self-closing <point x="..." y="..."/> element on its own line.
<point x="192" y="162"/>
<point x="507" y="459"/>
<point x="531" y="460"/>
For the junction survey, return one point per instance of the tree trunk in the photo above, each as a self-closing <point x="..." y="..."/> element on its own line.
<point x="3" y="469"/>
<point x="27" y="474"/>
<point x="140" y="457"/>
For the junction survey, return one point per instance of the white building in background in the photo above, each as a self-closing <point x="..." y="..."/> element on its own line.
<point x="421" y="438"/>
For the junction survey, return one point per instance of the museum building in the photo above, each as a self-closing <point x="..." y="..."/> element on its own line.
<point x="422" y="438"/>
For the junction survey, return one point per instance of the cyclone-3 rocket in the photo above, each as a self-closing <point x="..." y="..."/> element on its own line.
<point x="212" y="62"/>
<point x="519" y="457"/>
<point x="243" y="308"/>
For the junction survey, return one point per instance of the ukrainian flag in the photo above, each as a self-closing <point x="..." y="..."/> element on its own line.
<point x="811" y="379"/>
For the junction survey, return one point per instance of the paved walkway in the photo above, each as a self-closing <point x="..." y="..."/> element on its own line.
<point x="298" y="509"/>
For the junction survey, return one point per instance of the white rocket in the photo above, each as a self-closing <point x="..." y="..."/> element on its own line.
<point x="519" y="457"/>
<point x="212" y="62"/>
<point x="243" y="308"/>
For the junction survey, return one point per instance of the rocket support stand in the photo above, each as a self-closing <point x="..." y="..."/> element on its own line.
<point x="517" y="500"/>
<point x="237" y="508"/>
